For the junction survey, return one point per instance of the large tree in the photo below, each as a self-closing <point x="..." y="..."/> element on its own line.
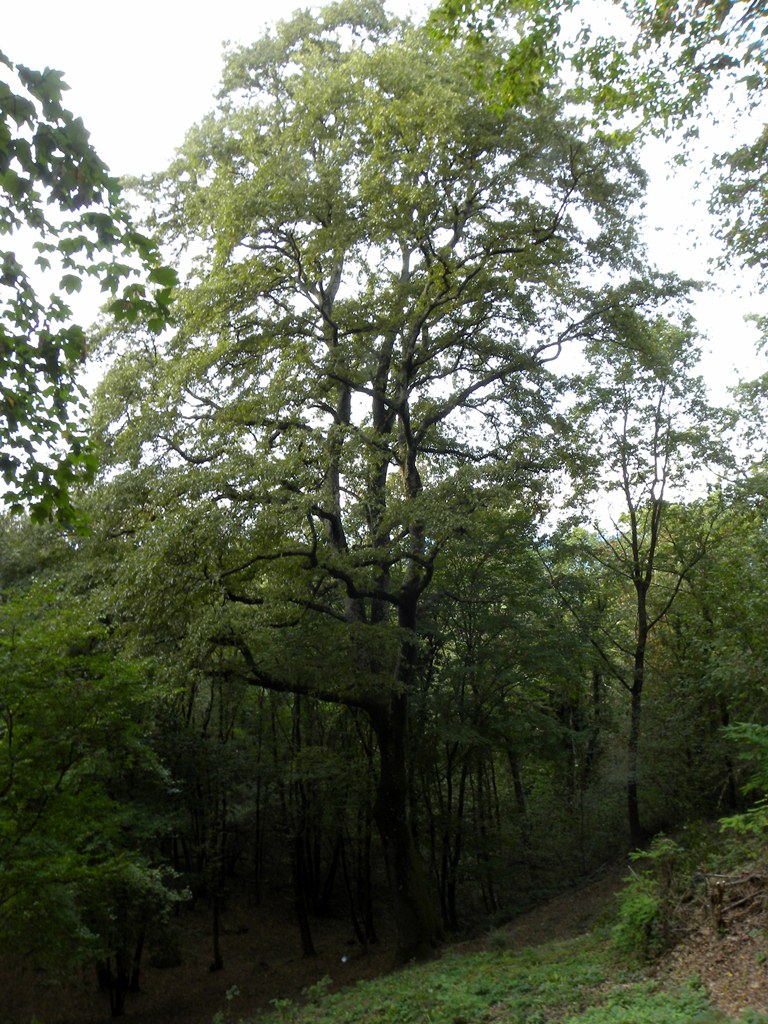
<point x="385" y="259"/>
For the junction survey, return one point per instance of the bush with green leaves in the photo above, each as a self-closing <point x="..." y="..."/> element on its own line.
<point x="645" y="924"/>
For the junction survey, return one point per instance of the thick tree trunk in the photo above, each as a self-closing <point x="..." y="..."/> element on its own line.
<point x="416" y="915"/>
<point x="118" y="981"/>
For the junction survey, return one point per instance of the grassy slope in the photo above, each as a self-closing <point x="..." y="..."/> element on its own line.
<point x="574" y="982"/>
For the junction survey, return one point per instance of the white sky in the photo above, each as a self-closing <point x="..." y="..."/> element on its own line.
<point x="142" y="73"/>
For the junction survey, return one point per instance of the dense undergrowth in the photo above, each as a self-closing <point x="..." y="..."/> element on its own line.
<point x="578" y="981"/>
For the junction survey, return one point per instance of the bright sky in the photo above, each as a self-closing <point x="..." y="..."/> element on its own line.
<point x="142" y="73"/>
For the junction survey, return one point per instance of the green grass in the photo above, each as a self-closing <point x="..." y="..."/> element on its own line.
<point x="574" y="982"/>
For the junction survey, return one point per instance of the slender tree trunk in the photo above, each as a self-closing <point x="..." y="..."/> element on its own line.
<point x="136" y="964"/>
<point x="733" y="797"/>
<point x="258" y="827"/>
<point x="325" y="898"/>
<point x="593" y="744"/>
<point x="455" y="850"/>
<point x="637" y="834"/>
<point x="299" y="865"/>
<point x="358" y="925"/>
<point x="484" y="818"/>
<point x="365" y="883"/>
<point x="517" y="781"/>
<point x="217" y="964"/>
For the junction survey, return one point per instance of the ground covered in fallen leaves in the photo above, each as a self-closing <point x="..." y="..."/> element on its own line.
<point x="724" y="939"/>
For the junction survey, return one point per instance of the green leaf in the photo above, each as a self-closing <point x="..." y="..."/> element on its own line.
<point x="165" y="276"/>
<point x="71" y="283"/>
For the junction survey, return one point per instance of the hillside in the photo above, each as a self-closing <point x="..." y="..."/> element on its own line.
<point x="554" y="963"/>
<point x="557" y="963"/>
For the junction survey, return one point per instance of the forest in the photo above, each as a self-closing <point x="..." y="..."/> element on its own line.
<point x="398" y="562"/>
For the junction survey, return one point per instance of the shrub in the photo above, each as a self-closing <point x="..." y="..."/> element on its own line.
<point x="645" y="924"/>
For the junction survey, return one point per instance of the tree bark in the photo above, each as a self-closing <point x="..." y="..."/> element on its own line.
<point x="636" y="831"/>
<point x="637" y="835"/>
<point x="415" y="910"/>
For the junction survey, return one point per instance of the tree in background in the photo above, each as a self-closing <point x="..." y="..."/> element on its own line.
<point x="55" y="191"/>
<point x="652" y="431"/>
<point x="507" y="734"/>
<point x="707" y="660"/>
